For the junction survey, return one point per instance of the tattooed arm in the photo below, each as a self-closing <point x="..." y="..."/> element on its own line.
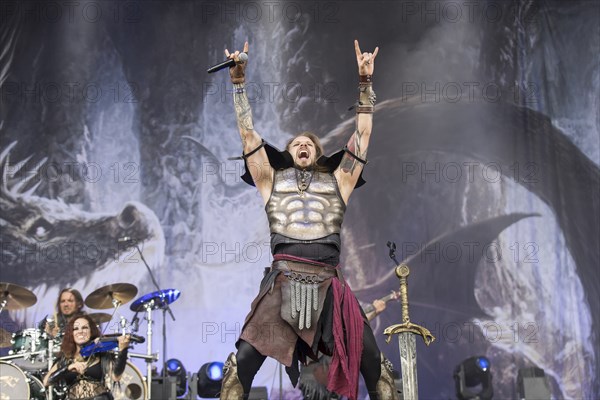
<point x="351" y="166"/>
<point x="258" y="162"/>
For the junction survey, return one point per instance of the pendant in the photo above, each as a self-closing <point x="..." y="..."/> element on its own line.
<point x="302" y="185"/>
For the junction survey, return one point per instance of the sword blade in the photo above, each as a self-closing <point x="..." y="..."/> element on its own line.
<point x="408" y="364"/>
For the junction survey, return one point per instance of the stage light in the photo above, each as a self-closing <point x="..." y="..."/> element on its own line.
<point x="210" y="377"/>
<point x="215" y="371"/>
<point x="176" y="369"/>
<point x="174" y="366"/>
<point x="473" y="379"/>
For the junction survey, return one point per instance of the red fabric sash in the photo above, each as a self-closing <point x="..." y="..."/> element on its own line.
<point x="345" y="364"/>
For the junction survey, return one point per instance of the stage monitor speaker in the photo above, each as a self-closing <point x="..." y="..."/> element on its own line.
<point x="166" y="390"/>
<point x="532" y="384"/>
<point x="258" y="393"/>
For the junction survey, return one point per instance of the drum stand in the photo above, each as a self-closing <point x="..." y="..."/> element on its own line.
<point x="165" y="307"/>
<point x="50" y="391"/>
<point x="149" y="356"/>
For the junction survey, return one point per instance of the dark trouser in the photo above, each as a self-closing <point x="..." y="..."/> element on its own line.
<point x="250" y="360"/>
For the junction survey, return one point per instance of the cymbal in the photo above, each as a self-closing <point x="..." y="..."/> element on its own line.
<point x="103" y="298"/>
<point x="16" y="296"/>
<point x="100" y="317"/>
<point x="161" y="298"/>
<point x="5" y="338"/>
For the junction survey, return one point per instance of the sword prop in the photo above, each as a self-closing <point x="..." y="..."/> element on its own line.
<point x="406" y="332"/>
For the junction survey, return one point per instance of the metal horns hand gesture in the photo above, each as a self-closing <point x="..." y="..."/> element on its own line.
<point x="365" y="61"/>
<point x="237" y="73"/>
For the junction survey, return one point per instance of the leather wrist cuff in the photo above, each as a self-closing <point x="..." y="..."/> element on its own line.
<point x="366" y="98"/>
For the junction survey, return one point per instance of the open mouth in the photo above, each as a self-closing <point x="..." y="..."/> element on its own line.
<point x="303" y="154"/>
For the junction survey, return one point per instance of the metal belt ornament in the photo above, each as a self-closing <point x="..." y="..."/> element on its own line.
<point x="304" y="297"/>
<point x="406" y="338"/>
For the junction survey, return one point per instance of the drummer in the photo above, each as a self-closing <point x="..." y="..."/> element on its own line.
<point x="68" y="303"/>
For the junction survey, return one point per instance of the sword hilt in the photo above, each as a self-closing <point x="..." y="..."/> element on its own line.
<point x="402" y="272"/>
<point x="409" y="327"/>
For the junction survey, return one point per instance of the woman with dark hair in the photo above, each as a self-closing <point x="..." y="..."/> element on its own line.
<point x="86" y="377"/>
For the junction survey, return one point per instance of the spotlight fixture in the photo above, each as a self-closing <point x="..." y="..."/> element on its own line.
<point x="210" y="377"/>
<point x="473" y="379"/>
<point x="176" y="369"/>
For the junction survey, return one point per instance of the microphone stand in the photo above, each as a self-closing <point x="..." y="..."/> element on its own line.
<point x="165" y="308"/>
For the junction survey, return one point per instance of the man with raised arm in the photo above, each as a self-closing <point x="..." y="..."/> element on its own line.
<point x="304" y="305"/>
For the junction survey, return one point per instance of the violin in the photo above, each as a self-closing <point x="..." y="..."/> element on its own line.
<point x="107" y="343"/>
<point x="99" y="346"/>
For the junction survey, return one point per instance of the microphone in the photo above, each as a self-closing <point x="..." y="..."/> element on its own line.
<point x="135" y="323"/>
<point x="228" y="63"/>
<point x="136" y="338"/>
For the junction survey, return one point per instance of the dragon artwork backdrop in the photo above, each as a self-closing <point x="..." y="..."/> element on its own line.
<point x="483" y="167"/>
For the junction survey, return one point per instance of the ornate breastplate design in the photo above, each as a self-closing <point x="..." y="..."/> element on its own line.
<point x="305" y="205"/>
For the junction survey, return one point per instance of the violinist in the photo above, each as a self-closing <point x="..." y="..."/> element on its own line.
<point x="90" y="377"/>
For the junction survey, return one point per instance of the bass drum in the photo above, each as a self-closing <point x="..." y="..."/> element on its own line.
<point x="37" y="390"/>
<point x="131" y="386"/>
<point x="16" y="384"/>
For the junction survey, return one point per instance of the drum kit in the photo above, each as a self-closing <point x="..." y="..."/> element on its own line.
<point x="33" y="352"/>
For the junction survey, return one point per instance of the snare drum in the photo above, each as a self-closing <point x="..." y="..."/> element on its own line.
<point x="131" y="386"/>
<point x="30" y="341"/>
<point x="16" y="384"/>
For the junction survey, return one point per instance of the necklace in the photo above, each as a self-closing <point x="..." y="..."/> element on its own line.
<point x="303" y="179"/>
